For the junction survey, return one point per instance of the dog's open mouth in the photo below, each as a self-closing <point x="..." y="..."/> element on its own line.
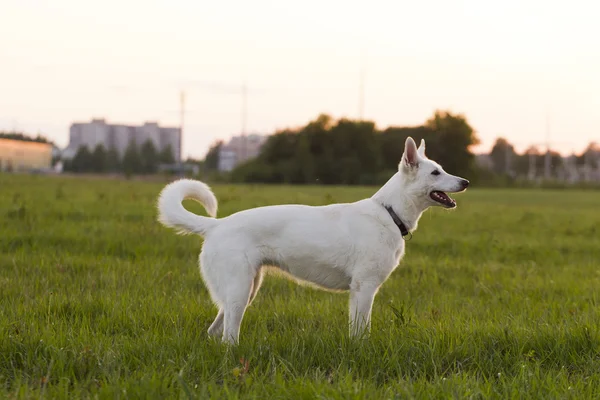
<point x="443" y="199"/>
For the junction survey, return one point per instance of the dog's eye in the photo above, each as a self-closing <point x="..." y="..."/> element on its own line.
<point x="435" y="172"/>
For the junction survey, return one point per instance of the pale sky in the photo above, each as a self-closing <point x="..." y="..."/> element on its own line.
<point x="505" y="64"/>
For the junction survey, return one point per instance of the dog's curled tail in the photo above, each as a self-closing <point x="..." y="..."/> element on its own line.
<point x="172" y="214"/>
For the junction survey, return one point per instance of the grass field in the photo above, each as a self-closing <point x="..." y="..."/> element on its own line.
<point x="496" y="299"/>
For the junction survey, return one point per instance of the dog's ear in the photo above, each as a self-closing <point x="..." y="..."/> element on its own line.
<point x="421" y="149"/>
<point x="410" y="158"/>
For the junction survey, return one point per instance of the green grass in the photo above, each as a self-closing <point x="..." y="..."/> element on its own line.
<point x="497" y="299"/>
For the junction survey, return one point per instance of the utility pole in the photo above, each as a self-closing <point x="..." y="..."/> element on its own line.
<point x="547" y="158"/>
<point x="587" y="165"/>
<point x="361" y="95"/>
<point x="361" y="87"/>
<point x="244" y="119"/>
<point x="182" y="104"/>
<point x="507" y="160"/>
<point x="531" y="172"/>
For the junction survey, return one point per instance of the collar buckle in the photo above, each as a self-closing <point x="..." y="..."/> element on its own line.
<point x="403" y="231"/>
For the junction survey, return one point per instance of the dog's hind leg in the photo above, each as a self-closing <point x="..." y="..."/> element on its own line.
<point x="230" y="279"/>
<point x="216" y="328"/>
<point x="236" y="293"/>
<point x="235" y="307"/>
<point x="212" y="282"/>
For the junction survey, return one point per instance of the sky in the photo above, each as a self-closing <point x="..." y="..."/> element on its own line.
<point x="517" y="69"/>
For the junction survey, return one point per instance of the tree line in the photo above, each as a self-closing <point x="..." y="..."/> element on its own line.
<point x="351" y="152"/>
<point x="144" y="159"/>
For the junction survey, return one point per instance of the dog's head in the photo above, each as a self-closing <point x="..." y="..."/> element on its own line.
<point x="425" y="180"/>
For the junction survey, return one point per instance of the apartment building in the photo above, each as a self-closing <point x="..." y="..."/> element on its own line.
<point x="239" y="149"/>
<point x="118" y="136"/>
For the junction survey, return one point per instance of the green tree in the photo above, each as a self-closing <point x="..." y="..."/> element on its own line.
<point x="149" y="157"/>
<point x="504" y="157"/>
<point x="113" y="161"/>
<point x="98" y="161"/>
<point x="391" y="144"/>
<point x="211" y="161"/>
<point x="590" y="156"/>
<point x="132" y="162"/>
<point x="82" y="162"/>
<point x="304" y="161"/>
<point x="166" y="155"/>
<point x="354" y="152"/>
<point x="454" y="137"/>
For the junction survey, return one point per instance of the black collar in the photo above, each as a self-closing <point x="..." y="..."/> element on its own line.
<point x="398" y="222"/>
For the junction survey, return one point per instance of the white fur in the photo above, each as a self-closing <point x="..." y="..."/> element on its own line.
<point x="351" y="246"/>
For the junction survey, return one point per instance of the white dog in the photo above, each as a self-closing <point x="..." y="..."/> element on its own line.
<point x="353" y="246"/>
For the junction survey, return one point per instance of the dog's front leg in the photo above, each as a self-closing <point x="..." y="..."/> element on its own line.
<point x="362" y="295"/>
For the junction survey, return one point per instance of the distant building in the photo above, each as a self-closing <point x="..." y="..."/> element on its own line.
<point x="23" y="156"/>
<point x="239" y="149"/>
<point x="96" y="132"/>
<point x="571" y="169"/>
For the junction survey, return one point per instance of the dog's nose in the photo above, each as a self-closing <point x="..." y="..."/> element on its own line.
<point x="465" y="183"/>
